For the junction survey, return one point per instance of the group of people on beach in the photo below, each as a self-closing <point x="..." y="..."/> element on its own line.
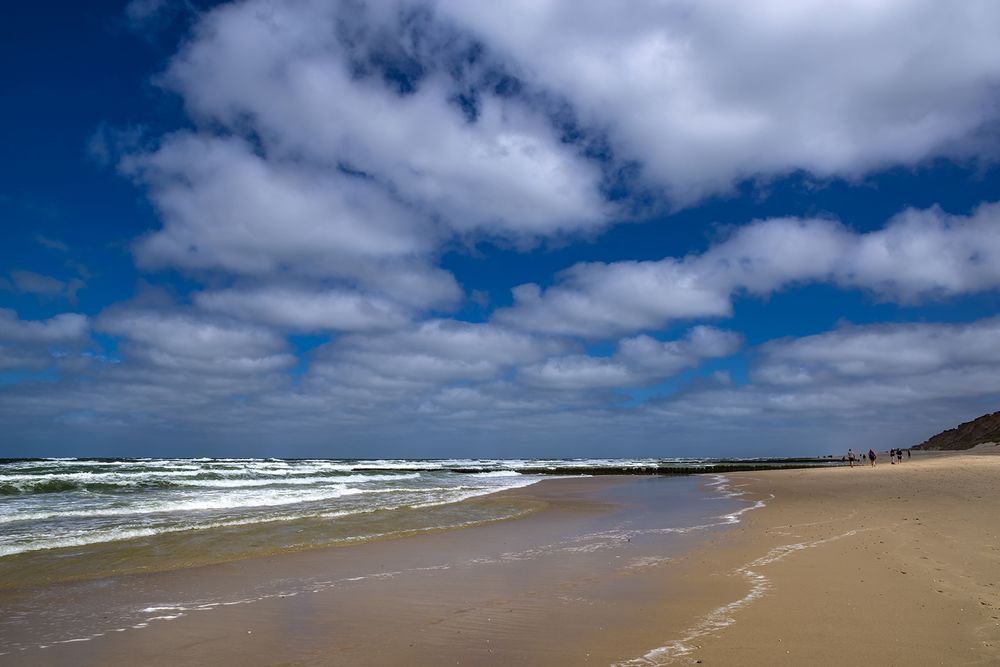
<point x="895" y="456"/>
<point x="898" y="454"/>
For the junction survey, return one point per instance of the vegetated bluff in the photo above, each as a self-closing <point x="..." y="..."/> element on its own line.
<point x="969" y="434"/>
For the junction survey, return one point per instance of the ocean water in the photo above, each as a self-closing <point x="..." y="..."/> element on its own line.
<point x="121" y="513"/>
<point x="55" y="504"/>
<point x="68" y="527"/>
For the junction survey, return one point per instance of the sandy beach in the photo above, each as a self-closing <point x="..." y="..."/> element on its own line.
<point x="892" y="565"/>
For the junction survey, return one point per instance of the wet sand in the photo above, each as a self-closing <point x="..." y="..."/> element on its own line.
<point x="581" y="580"/>
<point x="896" y="565"/>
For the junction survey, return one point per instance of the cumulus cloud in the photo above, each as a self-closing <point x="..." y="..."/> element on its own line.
<point x="304" y="309"/>
<point x="928" y="253"/>
<point x="500" y="398"/>
<point x="577" y="373"/>
<point x="664" y="358"/>
<point x="172" y="372"/>
<point x="878" y="351"/>
<point x="225" y="207"/>
<point x="36" y="345"/>
<point x="64" y="328"/>
<point x="860" y="376"/>
<point x="598" y="299"/>
<point x="433" y="352"/>
<point x="704" y="94"/>
<point x="186" y="342"/>
<point x="637" y="361"/>
<point x="13" y="359"/>
<point x="294" y="76"/>
<point x="918" y="255"/>
<point x="380" y="131"/>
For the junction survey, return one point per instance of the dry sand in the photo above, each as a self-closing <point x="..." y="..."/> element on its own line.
<point x="892" y="565"/>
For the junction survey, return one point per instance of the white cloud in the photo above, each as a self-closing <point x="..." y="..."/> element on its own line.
<point x="663" y="358"/>
<point x="598" y="299"/>
<point x="638" y="361"/>
<point x="433" y="352"/>
<point x="35" y="345"/>
<point x="305" y="310"/>
<point x="928" y="253"/>
<point x="289" y="73"/>
<point x="578" y="373"/>
<point x="918" y="255"/>
<point x="705" y="93"/>
<point x="415" y="284"/>
<point x="190" y="343"/>
<point x="225" y="207"/>
<point x="878" y="381"/>
<point x="15" y="359"/>
<point x="878" y="351"/>
<point x="63" y="328"/>
<point x="475" y="402"/>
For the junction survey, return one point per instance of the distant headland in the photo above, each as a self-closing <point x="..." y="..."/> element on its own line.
<point x="966" y="436"/>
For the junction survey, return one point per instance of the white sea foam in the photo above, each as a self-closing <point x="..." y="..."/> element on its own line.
<point x="200" y="503"/>
<point x="76" y="502"/>
<point x="498" y="473"/>
<point x="239" y="493"/>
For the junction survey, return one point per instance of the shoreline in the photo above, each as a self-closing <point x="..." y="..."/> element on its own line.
<point x="892" y="565"/>
<point x="67" y="519"/>
<point x="591" y="557"/>
<point x="899" y="564"/>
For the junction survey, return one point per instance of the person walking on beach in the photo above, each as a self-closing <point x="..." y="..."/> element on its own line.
<point x="892" y="456"/>
<point x="871" y="456"/>
<point x="850" y="456"/>
<point x="899" y="456"/>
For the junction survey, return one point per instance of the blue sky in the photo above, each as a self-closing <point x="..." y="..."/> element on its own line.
<point x="456" y="229"/>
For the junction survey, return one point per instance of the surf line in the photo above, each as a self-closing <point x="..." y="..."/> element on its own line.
<point x="719" y="619"/>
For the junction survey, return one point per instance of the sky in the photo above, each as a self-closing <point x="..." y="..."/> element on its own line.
<point x="537" y="228"/>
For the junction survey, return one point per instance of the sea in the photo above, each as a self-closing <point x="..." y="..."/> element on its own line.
<point x="71" y="528"/>
<point x="72" y="503"/>
<point x="182" y="508"/>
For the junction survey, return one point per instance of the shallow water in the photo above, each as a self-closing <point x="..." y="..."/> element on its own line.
<point x="629" y="526"/>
